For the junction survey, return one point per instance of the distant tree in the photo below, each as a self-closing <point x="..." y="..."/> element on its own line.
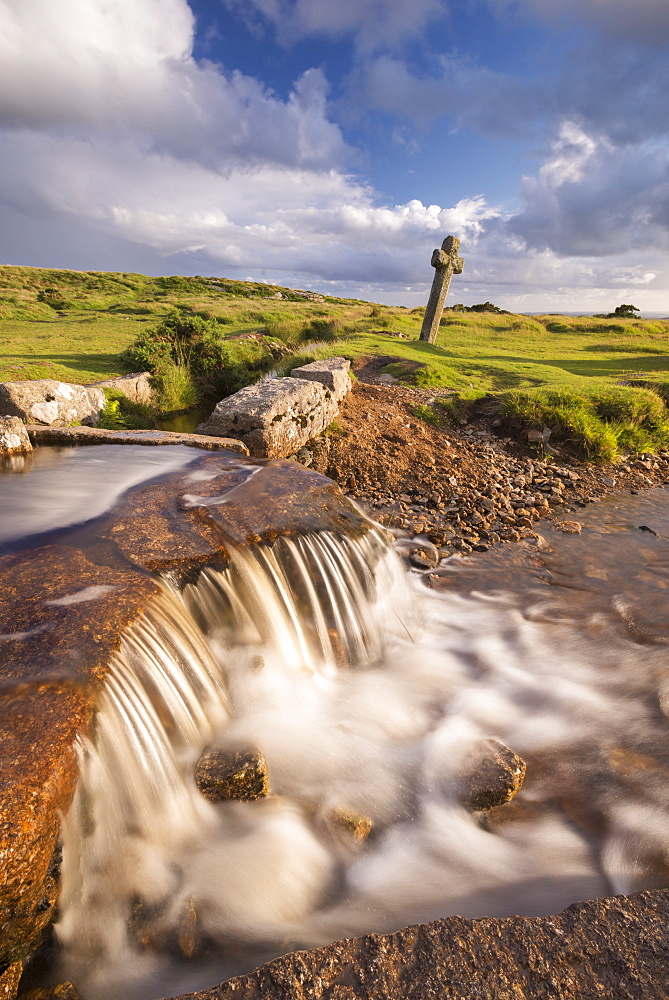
<point x="486" y="307"/>
<point x="624" y="310"/>
<point x="480" y="307"/>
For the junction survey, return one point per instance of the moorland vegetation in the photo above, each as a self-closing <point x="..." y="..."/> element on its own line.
<point x="601" y="383"/>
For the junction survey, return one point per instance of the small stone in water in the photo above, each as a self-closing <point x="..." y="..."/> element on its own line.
<point x="240" y="774"/>
<point x="493" y="774"/>
<point x="424" y="558"/>
<point x="568" y="527"/>
<point x="353" y="824"/>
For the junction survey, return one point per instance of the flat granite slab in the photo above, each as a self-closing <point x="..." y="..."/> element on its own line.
<point x="96" y="435"/>
<point x="604" y="949"/>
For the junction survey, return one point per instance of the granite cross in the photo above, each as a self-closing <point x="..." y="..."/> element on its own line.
<point x="447" y="263"/>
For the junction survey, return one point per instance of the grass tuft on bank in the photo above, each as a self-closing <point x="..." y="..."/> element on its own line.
<point x="602" y="424"/>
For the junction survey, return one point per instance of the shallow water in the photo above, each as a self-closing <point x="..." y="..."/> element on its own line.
<point x="54" y="488"/>
<point x="365" y="687"/>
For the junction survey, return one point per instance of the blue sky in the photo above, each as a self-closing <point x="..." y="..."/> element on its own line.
<point x="331" y="144"/>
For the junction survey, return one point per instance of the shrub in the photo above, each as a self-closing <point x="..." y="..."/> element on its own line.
<point x="325" y="330"/>
<point x="191" y="361"/>
<point x="289" y="331"/>
<point x="52" y="297"/>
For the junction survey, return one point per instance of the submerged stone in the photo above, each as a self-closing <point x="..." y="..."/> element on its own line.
<point x="352" y="824"/>
<point x="492" y="775"/>
<point x="225" y="773"/>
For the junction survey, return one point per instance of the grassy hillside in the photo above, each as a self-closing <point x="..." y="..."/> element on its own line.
<point x="76" y="325"/>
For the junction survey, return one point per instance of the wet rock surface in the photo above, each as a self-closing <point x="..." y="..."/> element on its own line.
<point x="609" y="949"/>
<point x="65" y="607"/>
<point x="226" y="773"/>
<point x="492" y="775"/>
<point x="98" y="435"/>
<point x="348" y="824"/>
<point x="46" y="401"/>
<point x="58" y="631"/>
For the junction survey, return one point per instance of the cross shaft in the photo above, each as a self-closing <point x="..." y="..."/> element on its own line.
<point x="446" y="262"/>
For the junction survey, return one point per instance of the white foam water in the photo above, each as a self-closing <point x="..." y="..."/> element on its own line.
<point x="364" y="690"/>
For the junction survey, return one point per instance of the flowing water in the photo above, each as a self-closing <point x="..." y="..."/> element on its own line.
<point x="366" y="688"/>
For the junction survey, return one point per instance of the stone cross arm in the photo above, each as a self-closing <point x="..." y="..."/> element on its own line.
<point x="448" y="256"/>
<point x="446" y="262"/>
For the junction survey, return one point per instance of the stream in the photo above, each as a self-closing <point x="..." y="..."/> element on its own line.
<point x="365" y="686"/>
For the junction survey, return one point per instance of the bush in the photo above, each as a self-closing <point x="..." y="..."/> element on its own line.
<point x="192" y="362"/>
<point x="52" y="297"/>
<point x="324" y="330"/>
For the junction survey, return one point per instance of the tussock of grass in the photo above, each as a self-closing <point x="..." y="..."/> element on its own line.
<point x="602" y="424"/>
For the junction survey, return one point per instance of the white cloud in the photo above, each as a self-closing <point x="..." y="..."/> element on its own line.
<point x="120" y="68"/>
<point x="593" y="198"/>
<point x="113" y="136"/>
<point x="372" y="24"/>
<point x="118" y="150"/>
<point x="321" y="224"/>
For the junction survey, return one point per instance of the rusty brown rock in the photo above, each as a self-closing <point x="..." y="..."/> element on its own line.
<point x="61" y="621"/>
<point x="38" y="726"/>
<point x="491" y="776"/>
<point x="604" y="949"/>
<point x="9" y="981"/>
<point x="228" y="773"/>
<point x="282" y="498"/>
<point x="192" y="516"/>
<point x="54" y="652"/>
<point x="66" y="622"/>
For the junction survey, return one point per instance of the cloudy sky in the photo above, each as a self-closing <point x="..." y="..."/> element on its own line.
<point x="332" y="144"/>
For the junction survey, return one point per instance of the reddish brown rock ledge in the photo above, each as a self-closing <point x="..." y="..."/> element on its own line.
<point x="609" y="949"/>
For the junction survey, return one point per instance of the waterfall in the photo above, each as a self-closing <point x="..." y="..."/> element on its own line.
<point x="305" y="606"/>
<point x="364" y="690"/>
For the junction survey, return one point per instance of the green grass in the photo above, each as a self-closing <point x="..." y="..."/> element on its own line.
<point x="74" y="326"/>
<point x="603" y="423"/>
